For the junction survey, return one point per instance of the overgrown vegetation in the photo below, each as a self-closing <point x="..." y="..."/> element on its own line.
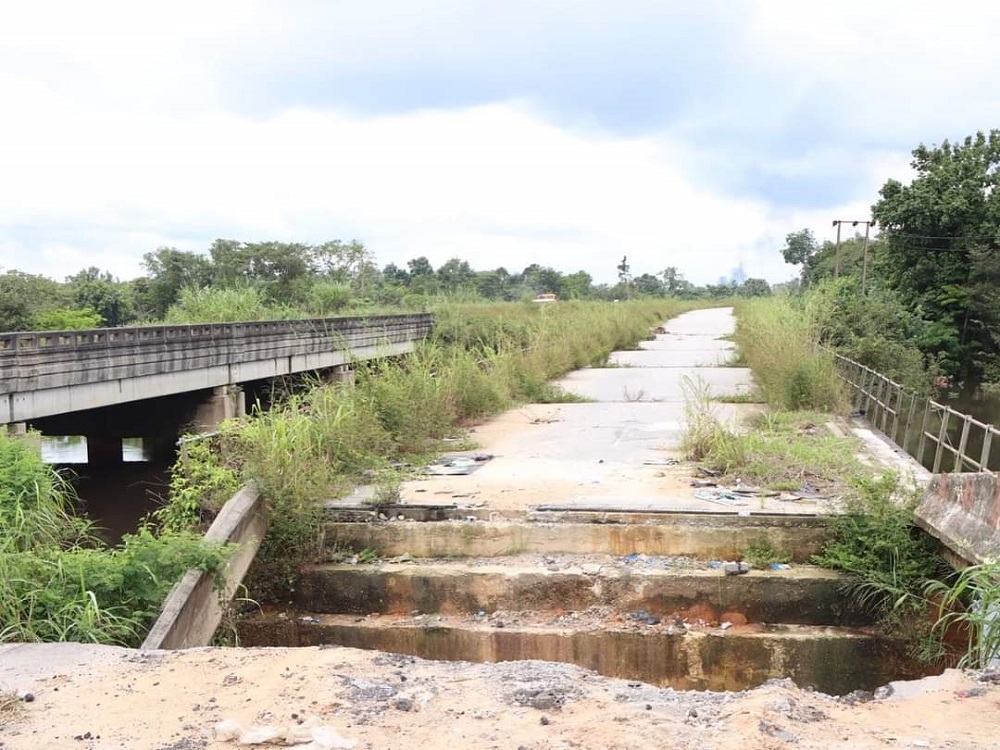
<point x="779" y="450"/>
<point x="778" y="342"/>
<point x="58" y="582"/>
<point x="887" y="558"/>
<point x="924" y="299"/>
<point x="316" y="444"/>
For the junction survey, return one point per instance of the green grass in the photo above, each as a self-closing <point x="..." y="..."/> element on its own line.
<point x="58" y="582"/>
<point x="316" y="444"/>
<point x="777" y="450"/>
<point x="779" y="344"/>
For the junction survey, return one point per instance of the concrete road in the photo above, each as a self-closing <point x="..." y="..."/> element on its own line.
<point x="615" y="451"/>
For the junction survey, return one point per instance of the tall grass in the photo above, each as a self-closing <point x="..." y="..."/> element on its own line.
<point x="226" y="305"/>
<point x="57" y="581"/>
<point x="481" y="359"/>
<point x="779" y="344"/>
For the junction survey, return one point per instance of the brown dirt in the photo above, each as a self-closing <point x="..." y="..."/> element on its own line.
<point x="113" y="699"/>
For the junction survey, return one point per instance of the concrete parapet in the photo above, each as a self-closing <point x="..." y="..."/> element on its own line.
<point x="194" y="607"/>
<point x="963" y="511"/>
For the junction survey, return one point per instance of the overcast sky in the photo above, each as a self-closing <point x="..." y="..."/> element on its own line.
<point x="505" y="132"/>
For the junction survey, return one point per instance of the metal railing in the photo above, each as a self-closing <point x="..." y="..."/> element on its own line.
<point x="924" y="428"/>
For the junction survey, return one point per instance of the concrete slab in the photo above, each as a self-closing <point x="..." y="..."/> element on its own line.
<point x="594" y="455"/>
<point x="655" y="381"/>
<point x="663" y="357"/>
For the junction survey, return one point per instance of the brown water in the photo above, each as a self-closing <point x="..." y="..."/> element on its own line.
<point x="115" y="496"/>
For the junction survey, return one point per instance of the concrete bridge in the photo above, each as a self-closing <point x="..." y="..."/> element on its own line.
<point x="115" y="382"/>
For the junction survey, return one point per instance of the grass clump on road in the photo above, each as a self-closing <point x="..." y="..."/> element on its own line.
<point x="781" y="450"/>
<point x="780" y="345"/>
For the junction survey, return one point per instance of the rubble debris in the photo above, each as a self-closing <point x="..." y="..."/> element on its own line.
<point x="457" y="464"/>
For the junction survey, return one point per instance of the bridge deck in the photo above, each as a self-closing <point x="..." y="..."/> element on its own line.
<point x="52" y="372"/>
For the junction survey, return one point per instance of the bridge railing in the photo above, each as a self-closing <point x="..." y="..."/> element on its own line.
<point x="924" y="428"/>
<point x="36" y="360"/>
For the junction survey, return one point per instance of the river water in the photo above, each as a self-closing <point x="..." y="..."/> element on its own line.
<point x="115" y="496"/>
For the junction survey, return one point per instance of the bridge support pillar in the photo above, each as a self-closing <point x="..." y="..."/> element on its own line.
<point x="103" y="450"/>
<point x="342" y="375"/>
<point x="226" y="402"/>
<point x="17" y="429"/>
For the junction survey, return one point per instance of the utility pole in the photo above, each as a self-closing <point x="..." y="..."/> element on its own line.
<point x="836" y="262"/>
<point x="836" y="257"/>
<point x="864" y="267"/>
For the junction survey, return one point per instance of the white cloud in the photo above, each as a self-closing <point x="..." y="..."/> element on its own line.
<point x="496" y="185"/>
<point x="117" y="137"/>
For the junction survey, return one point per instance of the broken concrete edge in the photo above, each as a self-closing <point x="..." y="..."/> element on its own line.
<point x="963" y="511"/>
<point x="194" y="607"/>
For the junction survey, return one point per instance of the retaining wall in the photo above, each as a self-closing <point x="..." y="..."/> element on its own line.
<point x="194" y="607"/>
<point x="963" y="511"/>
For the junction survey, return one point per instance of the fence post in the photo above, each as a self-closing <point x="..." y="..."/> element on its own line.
<point x="942" y="434"/>
<point x="984" y="457"/>
<point x="962" y="443"/>
<point x="923" y="431"/>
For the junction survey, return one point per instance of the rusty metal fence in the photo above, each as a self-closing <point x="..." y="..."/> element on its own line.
<point x="924" y="428"/>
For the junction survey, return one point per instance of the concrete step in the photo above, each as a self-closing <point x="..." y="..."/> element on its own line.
<point x="709" y="536"/>
<point x="832" y="660"/>
<point x="663" y="587"/>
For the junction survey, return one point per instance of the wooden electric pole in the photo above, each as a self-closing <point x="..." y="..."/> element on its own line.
<point x="836" y="261"/>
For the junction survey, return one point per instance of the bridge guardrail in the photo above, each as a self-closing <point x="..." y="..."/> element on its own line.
<point x="49" y="359"/>
<point x="920" y="425"/>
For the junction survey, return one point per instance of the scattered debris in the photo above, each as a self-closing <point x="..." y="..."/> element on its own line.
<point x="721" y="497"/>
<point x="773" y="730"/>
<point x="661" y="462"/>
<point x="971" y="693"/>
<point x="644" y="617"/>
<point x="733" y="568"/>
<point x="453" y="465"/>
<point x="309" y="734"/>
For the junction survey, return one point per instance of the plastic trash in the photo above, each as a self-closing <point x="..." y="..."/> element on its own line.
<point x="780" y="566"/>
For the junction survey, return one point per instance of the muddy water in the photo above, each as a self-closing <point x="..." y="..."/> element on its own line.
<point x="116" y="496"/>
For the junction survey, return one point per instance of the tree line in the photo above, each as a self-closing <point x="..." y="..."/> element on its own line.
<point x="932" y="281"/>
<point x="331" y="278"/>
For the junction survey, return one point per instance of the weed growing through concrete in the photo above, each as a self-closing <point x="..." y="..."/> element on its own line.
<point x="761" y="553"/>
<point x="777" y="450"/>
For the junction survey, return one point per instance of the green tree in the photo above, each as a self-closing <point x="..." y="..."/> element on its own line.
<point x="943" y="240"/>
<point x="102" y="293"/>
<point x="168" y="271"/>
<point x="577" y="285"/>
<point x="455" y="274"/>
<point x="648" y="285"/>
<point x="799" y="247"/>
<point x="494" y="284"/>
<point x="284" y="270"/>
<point x="24" y="295"/>
<point x="754" y="288"/>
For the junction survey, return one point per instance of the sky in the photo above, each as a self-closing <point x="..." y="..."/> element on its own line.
<point x="567" y="133"/>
